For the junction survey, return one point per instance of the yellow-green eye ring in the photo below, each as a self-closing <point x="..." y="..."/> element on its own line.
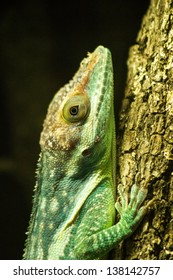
<point x="76" y="109"/>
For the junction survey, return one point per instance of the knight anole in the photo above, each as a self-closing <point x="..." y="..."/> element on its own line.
<point x="73" y="211"/>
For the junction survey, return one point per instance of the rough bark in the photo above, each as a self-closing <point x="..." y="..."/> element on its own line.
<point x="145" y="145"/>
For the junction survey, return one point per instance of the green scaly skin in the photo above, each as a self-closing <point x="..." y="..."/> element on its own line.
<point x="73" y="211"/>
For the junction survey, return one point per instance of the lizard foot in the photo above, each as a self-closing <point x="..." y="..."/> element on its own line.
<point x="131" y="212"/>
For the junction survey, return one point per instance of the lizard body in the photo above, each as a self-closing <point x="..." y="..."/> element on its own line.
<point x="73" y="211"/>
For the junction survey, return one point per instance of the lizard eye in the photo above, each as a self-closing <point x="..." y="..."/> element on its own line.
<point x="76" y="108"/>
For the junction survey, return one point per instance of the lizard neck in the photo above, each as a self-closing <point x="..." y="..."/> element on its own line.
<point x="60" y="175"/>
<point x="59" y="196"/>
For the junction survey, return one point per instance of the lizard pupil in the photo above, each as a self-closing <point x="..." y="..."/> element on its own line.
<point x="74" y="110"/>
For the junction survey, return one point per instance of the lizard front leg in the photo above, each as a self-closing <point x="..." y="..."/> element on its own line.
<point x="131" y="212"/>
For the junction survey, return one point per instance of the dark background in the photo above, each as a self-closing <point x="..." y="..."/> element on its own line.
<point x="41" y="46"/>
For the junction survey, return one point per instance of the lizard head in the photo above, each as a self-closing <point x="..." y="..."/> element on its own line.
<point x="80" y="117"/>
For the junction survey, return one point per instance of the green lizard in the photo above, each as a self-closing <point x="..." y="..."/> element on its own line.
<point x="73" y="211"/>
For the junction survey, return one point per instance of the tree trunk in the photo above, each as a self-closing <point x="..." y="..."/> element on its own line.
<point x="145" y="132"/>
